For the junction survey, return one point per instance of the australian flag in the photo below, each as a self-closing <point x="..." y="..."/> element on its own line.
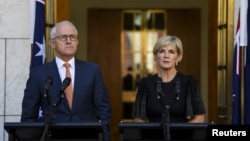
<point x="242" y="39"/>
<point x="38" y="53"/>
<point x="236" y="113"/>
<point x="247" y="72"/>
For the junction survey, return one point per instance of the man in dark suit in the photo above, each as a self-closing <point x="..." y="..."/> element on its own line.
<point x="90" y="97"/>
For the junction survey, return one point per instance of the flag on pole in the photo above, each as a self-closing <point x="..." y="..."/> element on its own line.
<point x="247" y="72"/>
<point x="38" y="48"/>
<point x="236" y="115"/>
<point x="241" y="97"/>
<point x="38" y="53"/>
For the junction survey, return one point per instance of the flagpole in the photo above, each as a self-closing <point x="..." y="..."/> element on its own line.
<point x="243" y="45"/>
<point x="242" y="83"/>
<point x="50" y="21"/>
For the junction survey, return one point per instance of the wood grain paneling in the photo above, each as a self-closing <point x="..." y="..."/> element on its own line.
<point x="185" y="24"/>
<point x="104" y="48"/>
<point x="62" y="10"/>
<point x="212" y="61"/>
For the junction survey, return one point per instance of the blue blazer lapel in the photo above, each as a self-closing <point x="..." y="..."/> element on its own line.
<point x="79" y="81"/>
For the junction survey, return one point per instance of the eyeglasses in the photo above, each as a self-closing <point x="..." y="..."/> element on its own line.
<point x="65" y="37"/>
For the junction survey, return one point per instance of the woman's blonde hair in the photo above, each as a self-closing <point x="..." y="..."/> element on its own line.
<point x="169" y="40"/>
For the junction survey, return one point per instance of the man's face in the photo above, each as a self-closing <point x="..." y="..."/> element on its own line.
<point x="65" y="41"/>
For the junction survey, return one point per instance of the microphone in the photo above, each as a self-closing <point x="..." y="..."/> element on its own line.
<point x="158" y="87"/>
<point x="177" y="87"/>
<point x="48" y="83"/>
<point x="65" y="84"/>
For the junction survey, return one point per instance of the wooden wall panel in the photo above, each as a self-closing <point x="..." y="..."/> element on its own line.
<point x="185" y="24"/>
<point x="104" y="48"/>
<point x="62" y="10"/>
<point x="212" y="61"/>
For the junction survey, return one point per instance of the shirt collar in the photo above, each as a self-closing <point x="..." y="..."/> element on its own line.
<point x="60" y="62"/>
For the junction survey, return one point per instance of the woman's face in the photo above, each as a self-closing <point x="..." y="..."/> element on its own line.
<point x="166" y="57"/>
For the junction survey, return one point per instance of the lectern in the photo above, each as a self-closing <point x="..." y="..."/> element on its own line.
<point x="89" y="131"/>
<point x="137" y="131"/>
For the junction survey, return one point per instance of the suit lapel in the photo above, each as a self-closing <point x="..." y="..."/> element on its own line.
<point x="79" y="81"/>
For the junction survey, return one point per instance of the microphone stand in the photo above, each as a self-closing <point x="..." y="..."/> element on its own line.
<point x="165" y="119"/>
<point x="165" y="112"/>
<point x="46" y="131"/>
<point x="166" y="124"/>
<point x="166" y="104"/>
<point x="165" y="116"/>
<point x="46" y="136"/>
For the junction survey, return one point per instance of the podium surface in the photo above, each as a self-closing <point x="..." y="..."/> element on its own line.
<point x="147" y="131"/>
<point x="32" y="131"/>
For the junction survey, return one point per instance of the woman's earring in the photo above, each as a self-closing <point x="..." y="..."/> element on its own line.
<point x="176" y="63"/>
